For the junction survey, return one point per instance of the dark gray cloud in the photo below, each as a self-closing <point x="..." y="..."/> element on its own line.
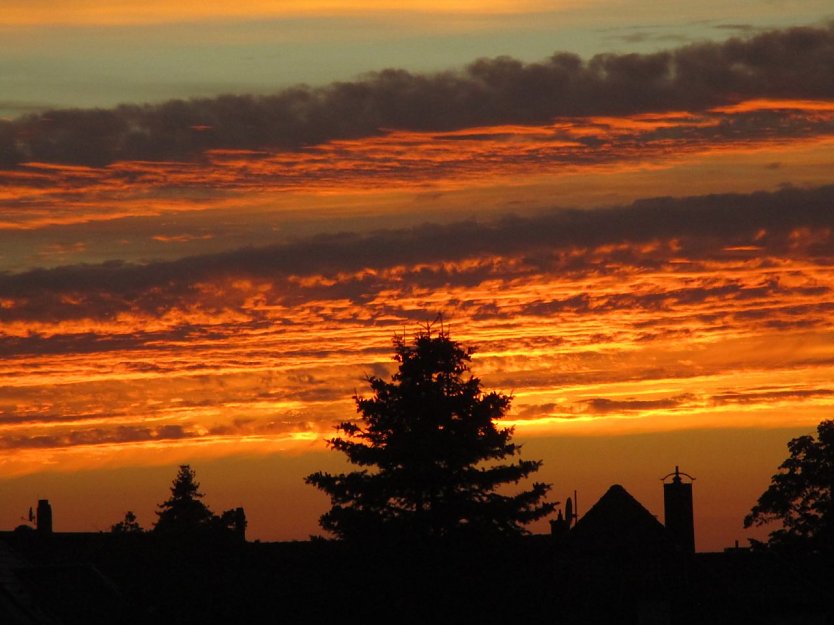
<point x="534" y="411"/>
<point x="769" y="396"/>
<point x="601" y="406"/>
<point x="604" y="406"/>
<point x="96" y="436"/>
<point x="793" y="63"/>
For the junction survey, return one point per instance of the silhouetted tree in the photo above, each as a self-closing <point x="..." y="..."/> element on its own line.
<point x="430" y="437"/>
<point x="801" y="495"/>
<point x="183" y="511"/>
<point x="233" y="521"/>
<point x="128" y="525"/>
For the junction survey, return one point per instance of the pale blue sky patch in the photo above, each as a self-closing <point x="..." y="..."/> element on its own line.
<point x="97" y="66"/>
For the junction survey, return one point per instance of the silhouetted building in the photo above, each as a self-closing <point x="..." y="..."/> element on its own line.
<point x="618" y="524"/>
<point x="44" y="517"/>
<point x="559" y="527"/>
<point x="678" y="511"/>
<point x="38" y="586"/>
<point x="620" y="564"/>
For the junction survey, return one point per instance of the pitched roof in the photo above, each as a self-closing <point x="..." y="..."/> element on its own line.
<point x="16" y="604"/>
<point x="618" y="523"/>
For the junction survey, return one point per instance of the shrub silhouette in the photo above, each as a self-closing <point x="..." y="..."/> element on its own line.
<point x="128" y="525"/>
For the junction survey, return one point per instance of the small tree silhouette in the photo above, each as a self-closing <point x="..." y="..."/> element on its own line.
<point x="232" y="521"/>
<point x="128" y="525"/>
<point x="430" y="436"/>
<point x="801" y="495"/>
<point x="183" y="511"/>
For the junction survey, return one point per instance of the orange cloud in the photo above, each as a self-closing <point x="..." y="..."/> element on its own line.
<point x="624" y="324"/>
<point x="39" y="195"/>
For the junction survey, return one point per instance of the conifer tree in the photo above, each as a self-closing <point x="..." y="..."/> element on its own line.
<point x="431" y="455"/>
<point x="183" y="511"/>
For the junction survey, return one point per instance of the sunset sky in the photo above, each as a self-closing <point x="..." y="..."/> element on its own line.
<point x="214" y="217"/>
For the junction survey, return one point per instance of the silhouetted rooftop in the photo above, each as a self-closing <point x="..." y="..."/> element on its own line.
<point x="618" y="523"/>
<point x="67" y="579"/>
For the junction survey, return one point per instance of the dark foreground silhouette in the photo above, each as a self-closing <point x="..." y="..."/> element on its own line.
<point x="618" y="564"/>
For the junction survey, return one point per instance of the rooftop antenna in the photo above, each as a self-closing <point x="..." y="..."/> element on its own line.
<point x="561" y="525"/>
<point x="575" y="507"/>
<point x="571" y="510"/>
<point x="676" y="476"/>
<point x="30" y="518"/>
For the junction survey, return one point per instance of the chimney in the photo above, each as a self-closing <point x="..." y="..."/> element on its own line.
<point x="44" y="519"/>
<point x="677" y="509"/>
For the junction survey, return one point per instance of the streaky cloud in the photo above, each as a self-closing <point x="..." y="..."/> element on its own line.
<point x="96" y="436"/>
<point x="754" y="396"/>
<point x="791" y="221"/>
<point x="602" y="405"/>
